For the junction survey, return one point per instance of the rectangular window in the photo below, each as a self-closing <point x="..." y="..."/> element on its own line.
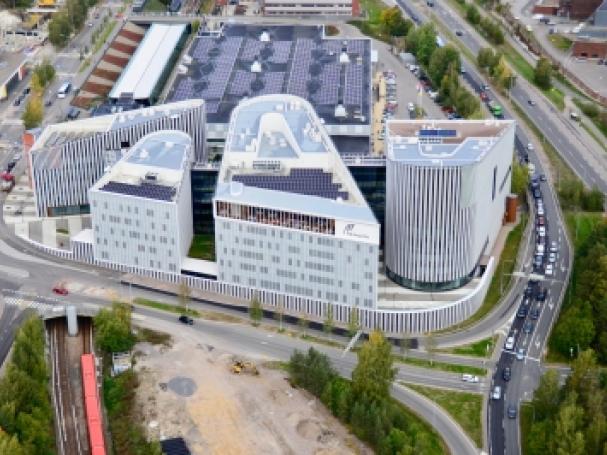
<point x="494" y="183"/>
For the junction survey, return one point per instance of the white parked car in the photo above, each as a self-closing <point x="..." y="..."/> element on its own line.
<point x="469" y="378"/>
<point x="540" y="210"/>
<point x="549" y="270"/>
<point x="497" y="393"/>
<point x="553" y="247"/>
<point x="509" y="343"/>
<point x="541" y="231"/>
<point x="552" y="257"/>
<point x="410" y="106"/>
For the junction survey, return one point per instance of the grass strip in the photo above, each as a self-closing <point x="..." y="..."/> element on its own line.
<point x="525" y="421"/>
<point x="483" y="348"/>
<point x="464" y="407"/>
<point x="203" y="247"/>
<point x="442" y="366"/>
<point x="202" y="314"/>
<point x="599" y="140"/>
<point x="154" y="337"/>
<point x="103" y="36"/>
<point x="372" y="25"/>
<point x="560" y="42"/>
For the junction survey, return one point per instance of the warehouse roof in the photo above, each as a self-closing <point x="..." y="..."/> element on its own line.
<point x="145" y="68"/>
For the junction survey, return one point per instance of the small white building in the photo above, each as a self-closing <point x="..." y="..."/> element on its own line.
<point x="141" y="209"/>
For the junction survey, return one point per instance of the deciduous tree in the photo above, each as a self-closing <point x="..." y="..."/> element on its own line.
<point x="374" y="372"/>
<point x="543" y="73"/>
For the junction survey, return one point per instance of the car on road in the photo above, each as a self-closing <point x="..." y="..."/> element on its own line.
<point x="60" y="290"/>
<point x="540" y="210"/>
<point x="553" y="247"/>
<point x="530" y="146"/>
<point x="541" y="231"/>
<point x="484" y="96"/>
<point x="522" y="312"/>
<point x="48" y="102"/>
<point x="469" y="378"/>
<point x="459" y="33"/>
<point x="549" y="270"/>
<point x="528" y="327"/>
<point x="531" y="102"/>
<point x="520" y="354"/>
<point x="509" y="343"/>
<point x="506" y="373"/>
<point x="497" y="393"/>
<point x="184" y="319"/>
<point x="529" y="290"/>
<point x="512" y="412"/>
<point x="10" y="166"/>
<point x="17" y="101"/>
<point x="18" y="212"/>
<point x="535" y="314"/>
<point x="410" y="106"/>
<point x="542" y="177"/>
<point x="537" y="193"/>
<point x="541" y="295"/>
<point x="541" y="221"/>
<point x="552" y="258"/>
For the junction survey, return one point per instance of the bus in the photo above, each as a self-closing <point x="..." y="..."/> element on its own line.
<point x="64" y="89"/>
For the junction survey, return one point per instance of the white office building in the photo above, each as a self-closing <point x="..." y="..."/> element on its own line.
<point x="288" y="215"/>
<point x="141" y="209"/>
<point x="68" y="158"/>
<point x="310" y="7"/>
<point x="446" y="188"/>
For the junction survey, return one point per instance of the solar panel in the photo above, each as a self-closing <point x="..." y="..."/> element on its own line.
<point x="353" y="88"/>
<point x="329" y="80"/>
<point x="282" y="51"/>
<point x="310" y="182"/>
<point x="437" y="133"/>
<point x="145" y="190"/>
<point x="356" y="47"/>
<point x="251" y="50"/>
<point x="241" y="83"/>
<point x="273" y="83"/>
<point x="299" y="75"/>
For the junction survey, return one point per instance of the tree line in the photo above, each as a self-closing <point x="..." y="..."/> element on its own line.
<point x="582" y="323"/>
<point x="113" y="333"/>
<point x="26" y="418"/>
<point x="569" y="419"/>
<point x="443" y="65"/>
<point x="364" y="403"/>
<point x="68" y="20"/>
<point x="43" y="75"/>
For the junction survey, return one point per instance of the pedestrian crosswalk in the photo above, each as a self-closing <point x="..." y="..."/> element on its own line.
<point x="23" y="302"/>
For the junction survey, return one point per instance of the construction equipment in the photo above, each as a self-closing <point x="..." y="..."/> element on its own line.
<point x="246" y="367"/>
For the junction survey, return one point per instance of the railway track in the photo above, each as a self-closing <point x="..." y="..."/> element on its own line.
<point x="68" y="403"/>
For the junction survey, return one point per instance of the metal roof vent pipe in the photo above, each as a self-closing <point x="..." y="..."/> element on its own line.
<point x="344" y="58"/>
<point x="264" y="37"/>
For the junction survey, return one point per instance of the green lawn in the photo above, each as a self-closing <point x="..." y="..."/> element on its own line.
<point x="464" y="407"/>
<point x="482" y="348"/>
<point x="206" y="7"/>
<point x="591" y="132"/>
<point x="443" y="366"/>
<point x="103" y="36"/>
<point x="580" y="225"/>
<point x="560" y="42"/>
<point x="371" y="26"/>
<point x="154" y="5"/>
<point x="164" y="306"/>
<point x="203" y="247"/>
<point x="505" y="265"/>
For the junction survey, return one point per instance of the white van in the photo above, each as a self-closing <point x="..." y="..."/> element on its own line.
<point x="497" y="393"/>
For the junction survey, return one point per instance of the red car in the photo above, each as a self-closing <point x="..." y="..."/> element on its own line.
<point x="484" y="96"/>
<point x="60" y="290"/>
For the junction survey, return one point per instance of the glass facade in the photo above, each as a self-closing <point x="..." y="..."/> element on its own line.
<point x="371" y="180"/>
<point x="203" y="189"/>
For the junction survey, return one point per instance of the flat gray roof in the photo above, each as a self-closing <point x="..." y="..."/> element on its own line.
<point x="9" y="64"/>
<point x="164" y="149"/>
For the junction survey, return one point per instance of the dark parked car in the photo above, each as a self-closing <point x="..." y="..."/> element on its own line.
<point x="541" y="295"/>
<point x="506" y="374"/>
<point x="522" y="312"/>
<point x="512" y="412"/>
<point x="535" y="314"/>
<point x="186" y="319"/>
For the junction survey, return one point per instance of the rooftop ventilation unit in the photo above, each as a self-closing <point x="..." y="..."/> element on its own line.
<point x="340" y="111"/>
<point x="264" y="37"/>
<point x="151" y="177"/>
<point x="182" y="69"/>
<point x="343" y="58"/>
<point x="187" y="59"/>
<point x="256" y="67"/>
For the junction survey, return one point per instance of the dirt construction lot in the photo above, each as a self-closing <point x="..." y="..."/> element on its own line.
<point x="189" y="390"/>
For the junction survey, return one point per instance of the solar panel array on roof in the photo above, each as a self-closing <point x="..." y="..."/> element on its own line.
<point x="296" y="60"/>
<point x="145" y="190"/>
<point x="309" y="182"/>
<point x="353" y="85"/>
<point x="174" y="446"/>
<point x="437" y="133"/>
